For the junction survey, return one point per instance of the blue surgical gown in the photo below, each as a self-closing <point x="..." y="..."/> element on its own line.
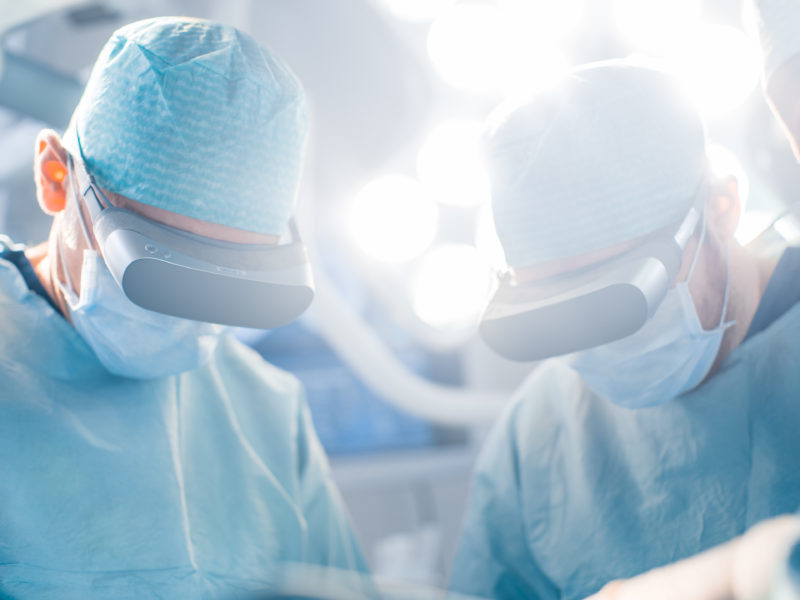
<point x="572" y="491"/>
<point x="192" y="486"/>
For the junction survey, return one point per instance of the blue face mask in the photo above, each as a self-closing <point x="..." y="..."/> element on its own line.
<point x="669" y="355"/>
<point x="131" y="341"/>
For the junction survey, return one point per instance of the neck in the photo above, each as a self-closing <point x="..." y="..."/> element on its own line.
<point x="749" y="276"/>
<point x="44" y="259"/>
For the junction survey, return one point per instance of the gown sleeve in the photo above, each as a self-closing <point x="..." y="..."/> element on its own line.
<point x="494" y="558"/>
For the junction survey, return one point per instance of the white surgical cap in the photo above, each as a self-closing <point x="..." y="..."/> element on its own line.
<point x="778" y="24"/>
<point x="195" y="118"/>
<point x="613" y="154"/>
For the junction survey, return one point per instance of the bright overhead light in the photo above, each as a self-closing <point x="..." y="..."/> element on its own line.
<point x="450" y="162"/>
<point x="393" y="219"/>
<point x="656" y="25"/>
<point x="451" y="286"/>
<point x="553" y="20"/>
<point x="721" y="66"/>
<point x="481" y="48"/>
<point x="417" y="10"/>
<point x="466" y="43"/>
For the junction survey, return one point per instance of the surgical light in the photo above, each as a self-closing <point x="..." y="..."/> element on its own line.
<point x="417" y="10"/>
<point x="451" y="164"/>
<point x="451" y="286"/>
<point x="479" y="47"/>
<point x="393" y="219"/>
<point x="721" y="66"/>
<point x="656" y="25"/>
<point x="545" y="18"/>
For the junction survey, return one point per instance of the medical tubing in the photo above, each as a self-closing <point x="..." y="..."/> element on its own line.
<point x="357" y="344"/>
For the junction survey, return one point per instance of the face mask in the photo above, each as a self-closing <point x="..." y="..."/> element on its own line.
<point x="131" y="341"/>
<point x="669" y="355"/>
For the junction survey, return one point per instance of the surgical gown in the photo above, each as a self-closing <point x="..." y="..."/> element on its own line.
<point x="572" y="491"/>
<point x="192" y="486"/>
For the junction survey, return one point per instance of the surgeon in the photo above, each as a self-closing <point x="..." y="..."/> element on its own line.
<point x="664" y="420"/>
<point x="144" y="452"/>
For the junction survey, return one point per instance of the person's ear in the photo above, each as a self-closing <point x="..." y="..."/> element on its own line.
<point x="724" y="208"/>
<point x="50" y="172"/>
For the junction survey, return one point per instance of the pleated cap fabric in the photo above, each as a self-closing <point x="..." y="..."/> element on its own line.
<point x="613" y="153"/>
<point x="196" y="118"/>
<point x="778" y="25"/>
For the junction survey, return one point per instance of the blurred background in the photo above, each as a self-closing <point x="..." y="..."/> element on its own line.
<point x="394" y="202"/>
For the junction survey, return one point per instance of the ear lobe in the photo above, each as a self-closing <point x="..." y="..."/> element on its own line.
<point x="725" y="207"/>
<point x="50" y="172"/>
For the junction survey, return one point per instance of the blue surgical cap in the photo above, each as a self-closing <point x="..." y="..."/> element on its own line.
<point x="612" y="154"/>
<point x="196" y="118"/>
<point x="778" y="23"/>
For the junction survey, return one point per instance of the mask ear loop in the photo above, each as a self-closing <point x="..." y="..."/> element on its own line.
<point x="722" y="322"/>
<point x="700" y="241"/>
<point x="81" y="220"/>
<point x="77" y="194"/>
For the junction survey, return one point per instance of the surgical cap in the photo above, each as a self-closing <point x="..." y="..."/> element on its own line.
<point x="612" y="154"/>
<point x="778" y="23"/>
<point x="195" y="118"/>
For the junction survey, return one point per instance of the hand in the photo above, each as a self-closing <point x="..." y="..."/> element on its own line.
<point x="742" y="569"/>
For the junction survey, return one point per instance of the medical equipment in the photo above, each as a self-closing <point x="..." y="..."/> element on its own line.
<point x="178" y="273"/>
<point x="592" y="306"/>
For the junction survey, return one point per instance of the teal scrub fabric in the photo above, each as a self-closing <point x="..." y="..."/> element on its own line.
<point x="193" y="486"/>
<point x="571" y="491"/>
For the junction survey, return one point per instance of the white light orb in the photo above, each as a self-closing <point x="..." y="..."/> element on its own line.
<point x="393" y="219"/>
<point x="721" y="66"/>
<point x="466" y="44"/>
<point x="656" y="25"/>
<point x="451" y="287"/>
<point x="478" y="47"/>
<point x="451" y="164"/>
<point x="417" y="10"/>
<point x="553" y="20"/>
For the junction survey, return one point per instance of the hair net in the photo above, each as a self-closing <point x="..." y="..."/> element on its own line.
<point x="195" y="118"/>
<point x="614" y="153"/>
<point x="778" y="24"/>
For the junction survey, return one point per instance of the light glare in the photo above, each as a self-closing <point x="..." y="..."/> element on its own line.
<point x="752" y="224"/>
<point x="451" y="164"/>
<point x="545" y="18"/>
<point x="451" y="287"/>
<point x="480" y="48"/>
<point x="721" y="66"/>
<point x="656" y="25"/>
<point x="393" y="219"/>
<point x="417" y="10"/>
<point x="724" y="163"/>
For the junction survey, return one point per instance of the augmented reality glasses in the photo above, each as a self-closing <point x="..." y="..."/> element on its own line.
<point x="171" y="271"/>
<point x="591" y="306"/>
